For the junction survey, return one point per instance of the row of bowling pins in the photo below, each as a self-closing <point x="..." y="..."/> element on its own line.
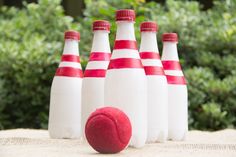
<point x="151" y="92"/>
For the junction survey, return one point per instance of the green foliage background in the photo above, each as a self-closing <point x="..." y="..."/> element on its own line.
<point x="31" y="41"/>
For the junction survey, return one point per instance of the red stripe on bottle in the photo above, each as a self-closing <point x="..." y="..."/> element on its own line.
<point x="95" y="73"/>
<point x="99" y="56"/>
<point x="176" y="80"/>
<point x="171" y="65"/>
<point x="70" y="58"/>
<point x="125" y="63"/>
<point x="149" y="55"/>
<point x="154" y="70"/>
<point x="69" y="72"/>
<point x="125" y="44"/>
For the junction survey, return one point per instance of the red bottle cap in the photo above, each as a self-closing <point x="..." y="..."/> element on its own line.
<point x="149" y="26"/>
<point x="125" y="15"/>
<point x="171" y="37"/>
<point x="101" y="25"/>
<point x="72" y="35"/>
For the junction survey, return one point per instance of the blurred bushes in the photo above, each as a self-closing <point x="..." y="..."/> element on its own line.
<point x="32" y="39"/>
<point x="207" y="48"/>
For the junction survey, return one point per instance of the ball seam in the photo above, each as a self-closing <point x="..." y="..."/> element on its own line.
<point x="109" y="117"/>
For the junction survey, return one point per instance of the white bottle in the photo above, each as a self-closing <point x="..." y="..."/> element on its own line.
<point x="157" y="84"/>
<point x="94" y="75"/>
<point x="177" y="89"/>
<point x="65" y="99"/>
<point x="125" y="82"/>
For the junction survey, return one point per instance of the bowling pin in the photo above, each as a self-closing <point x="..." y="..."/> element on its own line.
<point x="177" y="89"/>
<point x="65" y="99"/>
<point x="157" y="84"/>
<point x="94" y="75"/>
<point x="125" y="81"/>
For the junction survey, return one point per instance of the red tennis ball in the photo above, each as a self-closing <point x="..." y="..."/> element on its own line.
<point x="108" y="130"/>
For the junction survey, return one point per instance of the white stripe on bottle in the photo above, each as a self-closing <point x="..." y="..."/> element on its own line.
<point x="125" y="53"/>
<point x="151" y="62"/>
<point x="97" y="65"/>
<point x="174" y="72"/>
<point x="70" y="64"/>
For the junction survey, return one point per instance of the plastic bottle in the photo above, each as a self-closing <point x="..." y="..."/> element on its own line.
<point x="157" y="84"/>
<point x="177" y="89"/>
<point x="94" y="75"/>
<point x="65" y="98"/>
<point x="125" y="81"/>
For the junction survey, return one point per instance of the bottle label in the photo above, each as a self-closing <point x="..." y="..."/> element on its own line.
<point x="69" y="72"/>
<point x="125" y="44"/>
<point x="176" y="80"/>
<point x="120" y="63"/>
<point x="70" y="58"/>
<point x="99" y="56"/>
<point x="171" y="69"/>
<point x="95" y="73"/>
<point x="153" y="70"/>
<point x="149" y="55"/>
<point x="171" y="65"/>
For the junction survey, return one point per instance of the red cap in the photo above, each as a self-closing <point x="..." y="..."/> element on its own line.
<point x="72" y="35"/>
<point x="101" y="25"/>
<point x="149" y="26"/>
<point x="125" y="15"/>
<point x="171" y="37"/>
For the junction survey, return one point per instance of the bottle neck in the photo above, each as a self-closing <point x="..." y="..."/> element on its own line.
<point x="101" y="42"/>
<point x="71" y="47"/>
<point x="125" y="30"/>
<point x="170" y="51"/>
<point x="148" y="42"/>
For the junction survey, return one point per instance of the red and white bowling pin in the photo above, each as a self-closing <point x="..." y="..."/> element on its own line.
<point x="177" y="89"/>
<point x="125" y="82"/>
<point x="94" y="75"/>
<point x="65" y="100"/>
<point x="157" y="88"/>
